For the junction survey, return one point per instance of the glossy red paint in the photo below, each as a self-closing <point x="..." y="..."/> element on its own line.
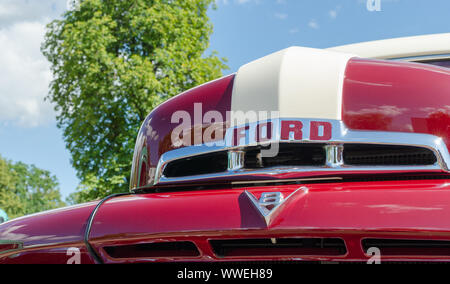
<point x="155" y="134"/>
<point x="397" y="96"/>
<point x="378" y="95"/>
<point x="45" y="237"/>
<point x="350" y="211"/>
<point x="49" y="255"/>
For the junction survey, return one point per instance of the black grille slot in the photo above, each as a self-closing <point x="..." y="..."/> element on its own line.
<point x="279" y="247"/>
<point x="394" y="247"/>
<point x="288" y="155"/>
<point x="170" y="249"/>
<point x="303" y="155"/>
<point x="386" y="155"/>
<point x="198" y="165"/>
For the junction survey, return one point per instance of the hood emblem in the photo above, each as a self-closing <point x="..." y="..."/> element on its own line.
<point x="270" y="203"/>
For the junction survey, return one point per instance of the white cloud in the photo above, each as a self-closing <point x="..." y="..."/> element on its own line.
<point x="8" y="10"/>
<point x="313" y="24"/>
<point x="281" y="16"/>
<point x="334" y="12"/>
<point x="25" y="73"/>
<point x="24" y="76"/>
<point x="14" y="11"/>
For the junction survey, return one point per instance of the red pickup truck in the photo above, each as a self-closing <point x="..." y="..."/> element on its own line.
<point x="336" y="155"/>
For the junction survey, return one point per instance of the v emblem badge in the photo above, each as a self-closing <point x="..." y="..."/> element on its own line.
<point x="270" y="203"/>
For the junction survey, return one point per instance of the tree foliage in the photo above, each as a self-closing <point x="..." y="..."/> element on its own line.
<point x="113" y="62"/>
<point x="26" y="189"/>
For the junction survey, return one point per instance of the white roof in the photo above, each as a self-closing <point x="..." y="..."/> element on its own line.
<point x="409" y="48"/>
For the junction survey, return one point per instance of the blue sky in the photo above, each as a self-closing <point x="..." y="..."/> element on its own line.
<point x="244" y="30"/>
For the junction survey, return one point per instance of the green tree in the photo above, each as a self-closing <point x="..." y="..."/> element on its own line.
<point x="113" y="62"/>
<point x="9" y="201"/>
<point x="26" y="189"/>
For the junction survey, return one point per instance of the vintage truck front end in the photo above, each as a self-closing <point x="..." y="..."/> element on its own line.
<point x="304" y="155"/>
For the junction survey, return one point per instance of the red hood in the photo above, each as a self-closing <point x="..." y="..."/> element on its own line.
<point x="394" y="96"/>
<point x="46" y="237"/>
<point x="350" y="211"/>
<point x="375" y="95"/>
<point x="417" y="205"/>
<point x="60" y="225"/>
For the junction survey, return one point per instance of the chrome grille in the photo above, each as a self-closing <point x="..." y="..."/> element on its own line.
<point x="302" y="155"/>
<point x="347" y="152"/>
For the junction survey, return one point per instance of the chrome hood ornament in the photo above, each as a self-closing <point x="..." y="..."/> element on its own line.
<point x="270" y="203"/>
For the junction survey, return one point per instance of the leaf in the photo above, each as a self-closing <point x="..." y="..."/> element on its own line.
<point x="113" y="62"/>
<point x="26" y="189"/>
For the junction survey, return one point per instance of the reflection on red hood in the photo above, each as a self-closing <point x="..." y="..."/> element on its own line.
<point x="397" y="96"/>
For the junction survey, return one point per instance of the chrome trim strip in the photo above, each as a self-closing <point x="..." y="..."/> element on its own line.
<point x="298" y="180"/>
<point x="271" y="174"/>
<point x="334" y="156"/>
<point x="341" y="135"/>
<point x="235" y="160"/>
